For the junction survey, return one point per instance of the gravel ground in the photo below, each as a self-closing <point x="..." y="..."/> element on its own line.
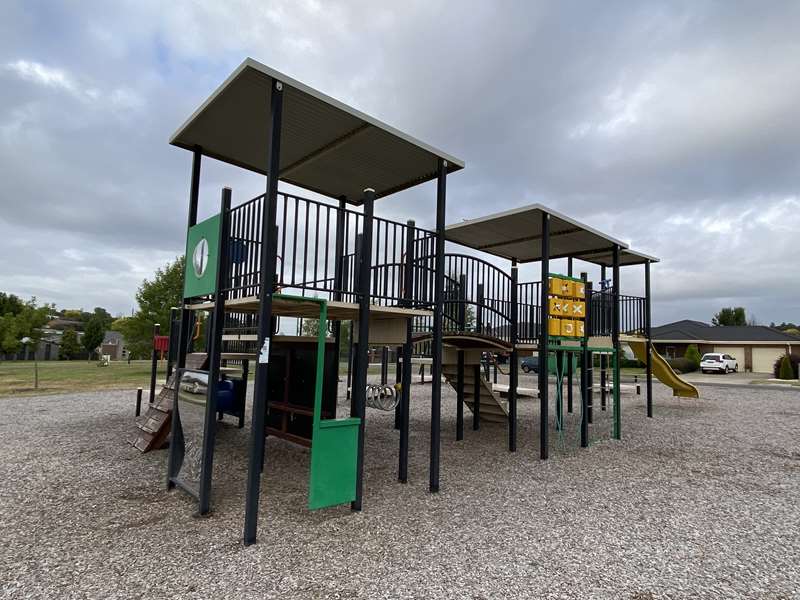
<point x="701" y="501"/>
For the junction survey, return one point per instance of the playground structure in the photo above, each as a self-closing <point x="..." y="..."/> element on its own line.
<point x="281" y="260"/>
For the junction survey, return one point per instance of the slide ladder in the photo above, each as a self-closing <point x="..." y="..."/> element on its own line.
<point x="493" y="408"/>
<point x="664" y="373"/>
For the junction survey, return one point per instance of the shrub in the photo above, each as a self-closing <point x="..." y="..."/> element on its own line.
<point x="681" y="365"/>
<point x="631" y="363"/>
<point x="786" y="366"/>
<point x="693" y="356"/>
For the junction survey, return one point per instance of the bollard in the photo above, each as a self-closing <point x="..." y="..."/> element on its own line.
<point x="138" y="401"/>
<point x="638" y="389"/>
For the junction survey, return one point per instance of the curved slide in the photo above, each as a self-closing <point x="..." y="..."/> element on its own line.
<point x="664" y="372"/>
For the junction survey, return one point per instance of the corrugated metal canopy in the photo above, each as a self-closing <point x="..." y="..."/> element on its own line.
<point x="517" y="234"/>
<point x="326" y="146"/>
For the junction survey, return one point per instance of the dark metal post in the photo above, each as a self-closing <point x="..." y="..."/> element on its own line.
<point x="359" y="397"/>
<point x="479" y="311"/>
<point x="570" y="356"/>
<point x="185" y="332"/>
<point x="384" y="365"/>
<point x="138" y="401"/>
<point x="648" y="333"/>
<point x="460" y="398"/>
<point x="172" y="350"/>
<point x="214" y="349"/>
<point x="617" y="429"/>
<point x="513" y="376"/>
<point x="154" y="363"/>
<point x="476" y="400"/>
<point x="269" y="252"/>
<point x="544" y="341"/>
<point x="438" y="310"/>
<point x="405" y="384"/>
<point x="589" y="364"/>
<point x="603" y="357"/>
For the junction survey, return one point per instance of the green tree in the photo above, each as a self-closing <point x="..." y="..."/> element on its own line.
<point x="155" y="299"/>
<point x="103" y="316"/>
<point x="786" y="372"/>
<point x="21" y="319"/>
<point x="693" y="356"/>
<point x="93" y="335"/>
<point x="69" y="345"/>
<point x="729" y="317"/>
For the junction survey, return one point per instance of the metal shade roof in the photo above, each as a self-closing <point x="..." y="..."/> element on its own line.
<point x="517" y="234"/>
<point x="627" y="257"/>
<point x="326" y="146"/>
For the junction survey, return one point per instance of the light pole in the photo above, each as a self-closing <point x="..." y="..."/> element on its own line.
<point x="26" y="341"/>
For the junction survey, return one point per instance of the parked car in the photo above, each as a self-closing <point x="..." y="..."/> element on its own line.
<point x="723" y="363"/>
<point x="530" y="363"/>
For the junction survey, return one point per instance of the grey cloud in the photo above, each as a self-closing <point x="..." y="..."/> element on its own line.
<point x="663" y="123"/>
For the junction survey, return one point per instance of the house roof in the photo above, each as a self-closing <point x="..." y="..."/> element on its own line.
<point x="326" y="146"/>
<point x="517" y="233"/>
<point x="697" y="331"/>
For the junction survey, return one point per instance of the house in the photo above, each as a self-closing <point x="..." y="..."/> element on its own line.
<point x="114" y="346"/>
<point x="755" y="347"/>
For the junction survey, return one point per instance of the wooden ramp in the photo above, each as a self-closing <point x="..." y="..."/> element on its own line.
<point x="154" y="426"/>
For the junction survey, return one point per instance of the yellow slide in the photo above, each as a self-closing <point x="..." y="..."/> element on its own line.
<point x="664" y="372"/>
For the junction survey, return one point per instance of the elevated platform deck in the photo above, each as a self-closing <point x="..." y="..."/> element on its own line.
<point x="337" y="311"/>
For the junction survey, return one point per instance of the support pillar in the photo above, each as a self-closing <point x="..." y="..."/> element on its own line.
<point x="617" y="429"/>
<point x="438" y="314"/>
<point x="648" y="333"/>
<point x="269" y="252"/>
<point x="513" y="375"/>
<point x="214" y="350"/>
<point x="358" y="404"/>
<point x="544" y="341"/>
<point x="185" y="327"/>
<point x="570" y="356"/>
<point x="405" y="384"/>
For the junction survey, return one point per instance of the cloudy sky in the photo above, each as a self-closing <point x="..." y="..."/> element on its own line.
<point x="673" y="126"/>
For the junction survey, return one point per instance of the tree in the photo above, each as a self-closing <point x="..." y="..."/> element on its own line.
<point x="93" y="335"/>
<point x="69" y="345"/>
<point x="728" y="317"/>
<point x="20" y="319"/>
<point x="786" y="370"/>
<point x="103" y="316"/>
<point x="693" y="356"/>
<point x="155" y="299"/>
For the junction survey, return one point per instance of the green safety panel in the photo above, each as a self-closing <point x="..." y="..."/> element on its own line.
<point x="334" y="455"/>
<point x="334" y="442"/>
<point x="202" y="254"/>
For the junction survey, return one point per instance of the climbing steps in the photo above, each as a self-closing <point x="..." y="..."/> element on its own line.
<point x="154" y="426"/>
<point x="493" y="409"/>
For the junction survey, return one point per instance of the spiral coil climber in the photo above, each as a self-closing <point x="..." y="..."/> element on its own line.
<point x="383" y="397"/>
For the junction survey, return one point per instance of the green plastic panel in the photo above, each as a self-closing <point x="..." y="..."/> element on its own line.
<point x="202" y="254"/>
<point x="334" y="455"/>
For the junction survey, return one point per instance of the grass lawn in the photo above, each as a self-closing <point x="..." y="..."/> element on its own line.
<point x="58" y="377"/>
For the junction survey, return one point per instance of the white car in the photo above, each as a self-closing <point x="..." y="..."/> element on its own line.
<point x="724" y="363"/>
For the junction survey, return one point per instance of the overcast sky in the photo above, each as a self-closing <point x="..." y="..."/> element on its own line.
<point x="673" y="126"/>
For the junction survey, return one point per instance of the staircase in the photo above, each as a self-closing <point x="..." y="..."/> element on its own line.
<point x="493" y="408"/>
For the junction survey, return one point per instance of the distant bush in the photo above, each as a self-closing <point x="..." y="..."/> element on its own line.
<point x="681" y="365"/>
<point x="786" y="366"/>
<point x="631" y="363"/>
<point x="693" y="356"/>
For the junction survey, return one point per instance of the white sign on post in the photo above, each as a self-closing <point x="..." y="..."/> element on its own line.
<point x="263" y="355"/>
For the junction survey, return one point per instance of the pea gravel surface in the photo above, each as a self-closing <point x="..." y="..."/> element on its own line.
<point x="702" y="501"/>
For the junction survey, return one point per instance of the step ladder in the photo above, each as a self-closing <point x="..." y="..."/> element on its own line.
<point x="493" y="408"/>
